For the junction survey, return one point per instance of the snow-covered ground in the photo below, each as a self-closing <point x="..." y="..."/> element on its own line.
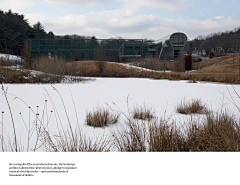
<point x="12" y="58"/>
<point x="163" y="95"/>
<point x="129" y="66"/>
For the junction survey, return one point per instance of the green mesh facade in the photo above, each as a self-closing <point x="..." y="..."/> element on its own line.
<point x="87" y="48"/>
<point x="168" y="48"/>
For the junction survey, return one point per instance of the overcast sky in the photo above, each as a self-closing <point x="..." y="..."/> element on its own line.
<point x="136" y="19"/>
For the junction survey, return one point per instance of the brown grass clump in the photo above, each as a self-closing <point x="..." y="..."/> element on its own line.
<point x="218" y="132"/>
<point x="194" y="106"/>
<point x="131" y="138"/>
<point x="165" y="137"/>
<point x="100" y="117"/>
<point x="78" y="142"/>
<point x="153" y="136"/>
<point x="142" y="112"/>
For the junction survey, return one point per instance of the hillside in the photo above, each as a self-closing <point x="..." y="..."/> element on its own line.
<point x="228" y="64"/>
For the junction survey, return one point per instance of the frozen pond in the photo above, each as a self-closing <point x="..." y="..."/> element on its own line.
<point x="121" y="94"/>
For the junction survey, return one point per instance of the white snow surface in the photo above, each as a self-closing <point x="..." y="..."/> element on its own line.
<point x="10" y="57"/>
<point x="119" y="93"/>
<point x="129" y="66"/>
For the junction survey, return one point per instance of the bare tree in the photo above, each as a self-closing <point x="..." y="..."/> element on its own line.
<point x="100" y="57"/>
<point x="26" y="54"/>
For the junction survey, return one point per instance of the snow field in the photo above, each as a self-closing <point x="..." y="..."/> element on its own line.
<point x="121" y="94"/>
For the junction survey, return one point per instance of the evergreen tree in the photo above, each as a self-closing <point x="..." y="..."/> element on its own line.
<point x="13" y="30"/>
<point x="39" y="31"/>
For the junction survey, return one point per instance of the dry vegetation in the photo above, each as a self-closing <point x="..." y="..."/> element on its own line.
<point x="218" y="69"/>
<point x="68" y="141"/>
<point x="9" y="75"/>
<point x="142" y="112"/>
<point x="217" y="132"/>
<point x="47" y="71"/>
<point x="56" y="66"/>
<point x="89" y="68"/>
<point x="229" y="63"/>
<point x="194" y="106"/>
<point x="208" y="70"/>
<point x="101" y="117"/>
<point x="153" y="136"/>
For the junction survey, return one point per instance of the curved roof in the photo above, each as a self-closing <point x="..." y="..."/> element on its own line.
<point x="162" y="39"/>
<point x="166" y="38"/>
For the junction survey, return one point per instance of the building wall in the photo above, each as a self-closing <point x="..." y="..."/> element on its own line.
<point x="168" y="49"/>
<point x="85" y="48"/>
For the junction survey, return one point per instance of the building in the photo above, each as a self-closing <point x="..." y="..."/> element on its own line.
<point x="168" y="48"/>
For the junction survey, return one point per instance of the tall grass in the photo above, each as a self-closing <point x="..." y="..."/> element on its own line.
<point x="64" y="141"/>
<point x="218" y="132"/>
<point x="101" y="117"/>
<point x="194" y="106"/>
<point x="142" y="112"/>
<point x="151" y="136"/>
<point x="56" y="65"/>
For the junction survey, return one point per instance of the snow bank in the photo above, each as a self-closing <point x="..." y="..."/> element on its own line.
<point x="12" y="58"/>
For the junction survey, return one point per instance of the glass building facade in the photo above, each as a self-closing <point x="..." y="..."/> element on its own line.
<point x="86" y="48"/>
<point x="168" y="48"/>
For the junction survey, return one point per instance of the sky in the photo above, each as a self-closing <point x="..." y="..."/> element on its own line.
<point x="130" y="19"/>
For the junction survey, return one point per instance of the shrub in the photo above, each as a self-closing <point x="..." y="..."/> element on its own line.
<point x="100" y="117"/>
<point x="211" y="54"/>
<point x="188" y="62"/>
<point x="117" y="58"/>
<point x="75" y="58"/>
<point x="191" y="107"/>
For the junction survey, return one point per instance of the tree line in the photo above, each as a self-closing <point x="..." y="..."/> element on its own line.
<point x="228" y="42"/>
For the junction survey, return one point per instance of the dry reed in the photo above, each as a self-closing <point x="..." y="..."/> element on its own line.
<point x="101" y="117"/>
<point x="142" y="112"/>
<point x="194" y="106"/>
